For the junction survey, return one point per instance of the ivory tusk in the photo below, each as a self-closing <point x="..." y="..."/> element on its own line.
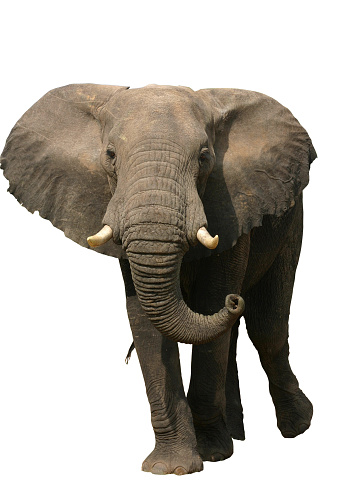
<point x="101" y="237"/>
<point x="206" y="239"/>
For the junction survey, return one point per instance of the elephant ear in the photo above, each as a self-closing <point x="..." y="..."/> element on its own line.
<point x="263" y="157"/>
<point x="52" y="161"/>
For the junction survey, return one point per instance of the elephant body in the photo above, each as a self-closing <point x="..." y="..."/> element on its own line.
<point x="163" y="169"/>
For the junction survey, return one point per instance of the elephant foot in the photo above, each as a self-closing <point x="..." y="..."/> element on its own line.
<point x="165" y="460"/>
<point x="214" y="442"/>
<point x="294" y="411"/>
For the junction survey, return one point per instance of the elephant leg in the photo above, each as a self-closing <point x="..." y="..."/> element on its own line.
<point x="234" y="409"/>
<point x="267" y="315"/>
<point x="218" y="276"/>
<point x="175" y="449"/>
<point x="207" y="399"/>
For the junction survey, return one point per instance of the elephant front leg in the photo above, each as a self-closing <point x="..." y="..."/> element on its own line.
<point x="175" y="449"/>
<point x="211" y="391"/>
<point x="234" y="409"/>
<point x="207" y="399"/>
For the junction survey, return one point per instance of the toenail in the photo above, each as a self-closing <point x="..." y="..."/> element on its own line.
<point x="180" y="471"/>
<point x="216" y="457"/>
<point x="159" y="468"/>
<point x="303" y="427"/>
<point x="289" y="434"/>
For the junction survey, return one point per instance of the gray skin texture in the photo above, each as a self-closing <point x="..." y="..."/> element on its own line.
<point x="156" y="164"/>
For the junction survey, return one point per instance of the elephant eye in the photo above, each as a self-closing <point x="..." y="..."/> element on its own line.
<point x="111" y="153"/>
<point x="204" y="156"/>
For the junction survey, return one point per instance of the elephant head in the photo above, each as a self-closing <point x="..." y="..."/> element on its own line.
<point x="160" y="169"/>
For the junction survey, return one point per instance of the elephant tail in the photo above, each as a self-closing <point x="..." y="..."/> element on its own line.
<point x="129" y="354"/>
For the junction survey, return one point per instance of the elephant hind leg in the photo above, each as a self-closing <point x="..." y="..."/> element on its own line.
<point x="267" y="321"/>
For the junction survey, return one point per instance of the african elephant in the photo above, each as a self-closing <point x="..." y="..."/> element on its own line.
<point x="201" y="193"/>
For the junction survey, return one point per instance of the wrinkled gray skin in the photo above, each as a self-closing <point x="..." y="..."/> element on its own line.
<point x="156" y="208"/>
<point x="156" y="164"/>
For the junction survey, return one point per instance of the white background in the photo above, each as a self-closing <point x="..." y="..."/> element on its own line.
<point x="73" y="416"/>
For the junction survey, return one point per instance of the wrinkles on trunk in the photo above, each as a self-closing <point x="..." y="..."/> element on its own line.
<point x="159" y="213"/>
<point x="158" y="289"/>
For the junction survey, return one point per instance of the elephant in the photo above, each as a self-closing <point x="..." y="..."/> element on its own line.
<point x="199" y="196"/>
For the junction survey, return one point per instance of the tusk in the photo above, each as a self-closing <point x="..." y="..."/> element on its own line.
<point x="101" y="237"/>
<point x="206" y="239"/>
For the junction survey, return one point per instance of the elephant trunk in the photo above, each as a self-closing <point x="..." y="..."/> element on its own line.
<point x="155" y="252"/>
<point x="156" y="222"/>
<point x="158" y="289"/>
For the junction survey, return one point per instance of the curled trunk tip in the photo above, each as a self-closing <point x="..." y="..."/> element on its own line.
<point x="235" y="304"/>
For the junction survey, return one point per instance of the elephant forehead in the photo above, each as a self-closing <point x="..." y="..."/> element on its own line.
<point x="172" y="104"/>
